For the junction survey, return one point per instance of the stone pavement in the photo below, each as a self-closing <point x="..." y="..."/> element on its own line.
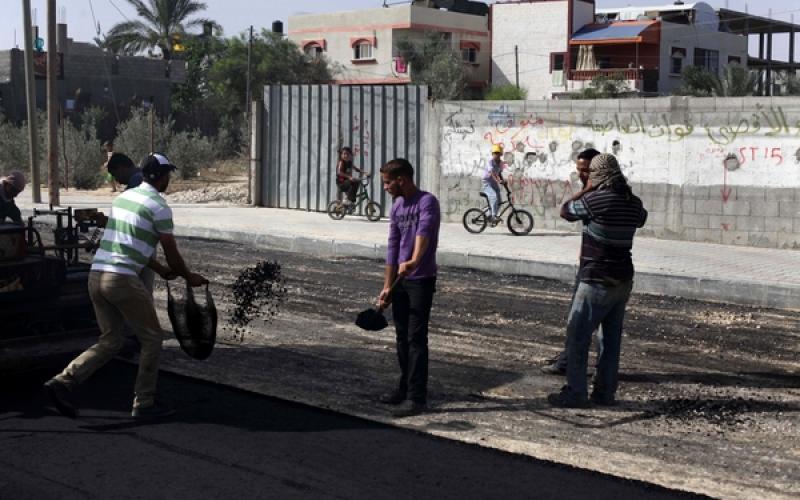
<point x="722" y="273"/>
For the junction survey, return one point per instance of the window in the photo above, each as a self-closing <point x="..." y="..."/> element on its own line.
<point x="734" y="60"/>
<point x="469" y="55"/>
<point x="313" y="51"/>
<point x="676" y="60"/>
<point x="707" y="59"/>
<point x="557" y="61"/>
<point x="362" y="50"/>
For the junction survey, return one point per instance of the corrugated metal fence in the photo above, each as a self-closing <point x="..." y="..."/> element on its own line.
<point x="305" y="125"/>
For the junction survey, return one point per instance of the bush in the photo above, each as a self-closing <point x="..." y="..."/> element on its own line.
<point x="507" y="93"/>
<point x="13" y="147"/>
<point x="133" y="135"/>
<point x="190" y="152"/>
<point x="83" y="150"/>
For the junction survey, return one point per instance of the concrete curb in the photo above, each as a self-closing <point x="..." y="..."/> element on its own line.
<point x="747" y="293"/>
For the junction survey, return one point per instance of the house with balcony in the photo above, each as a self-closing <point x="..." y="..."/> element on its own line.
<point x="362" y="44"/>
<point x="555" y="47"/>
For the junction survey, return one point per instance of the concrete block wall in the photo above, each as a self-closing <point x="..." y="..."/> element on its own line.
<point x="711" y="170"/>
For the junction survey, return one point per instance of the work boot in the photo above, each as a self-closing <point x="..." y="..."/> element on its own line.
<point x="410" y="408"/>
<point x="566" y="399"/>
<point x="61" y="397"/>
<point x="393" y="398"/>
<point x="156" y="411"/>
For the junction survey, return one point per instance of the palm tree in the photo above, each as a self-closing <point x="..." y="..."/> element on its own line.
<point x="162" y="23"/>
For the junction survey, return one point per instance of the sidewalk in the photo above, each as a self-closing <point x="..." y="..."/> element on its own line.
<point x="722" y="273"/>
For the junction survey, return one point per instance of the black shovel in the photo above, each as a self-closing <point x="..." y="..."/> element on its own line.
<point x="372" y="319"/>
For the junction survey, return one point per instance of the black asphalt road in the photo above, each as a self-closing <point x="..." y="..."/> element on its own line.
<point x="227" y="443"/>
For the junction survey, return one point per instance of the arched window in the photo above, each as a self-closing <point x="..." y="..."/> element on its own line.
<point x="313" y="48"/>
<point x="363" y="48"/>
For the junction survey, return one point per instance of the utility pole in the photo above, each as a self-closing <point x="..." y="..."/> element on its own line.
<point x="249" y="72"/>
<point x="52" y="107"/>
<point x="249" y="113"/>
<point x="151" y="119"/>
<point x="516" y="64"/>
<point x="30" y="91"/>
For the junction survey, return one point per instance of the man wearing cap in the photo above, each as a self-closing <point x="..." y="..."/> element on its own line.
<point x="124" y="171"/>
<point x="140" y="220"/>
<point x="10" y="186"/>
<point x="611" y="213"/>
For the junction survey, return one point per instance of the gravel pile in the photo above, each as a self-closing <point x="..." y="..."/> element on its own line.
<point x="233" y="193"/>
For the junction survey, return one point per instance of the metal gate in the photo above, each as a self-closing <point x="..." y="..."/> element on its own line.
<point x="305" y="125"/>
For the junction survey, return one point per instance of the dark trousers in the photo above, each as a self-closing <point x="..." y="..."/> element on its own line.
<point x="350" y="188"/>
<point x="411" y="310"/>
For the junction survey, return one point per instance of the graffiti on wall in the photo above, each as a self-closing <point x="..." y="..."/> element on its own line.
<point x="540" y="151"/>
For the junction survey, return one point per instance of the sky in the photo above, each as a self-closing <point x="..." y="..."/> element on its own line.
<point x="236" y="16"/>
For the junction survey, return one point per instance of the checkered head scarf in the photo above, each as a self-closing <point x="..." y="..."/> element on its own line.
<point x="603" y="169"/>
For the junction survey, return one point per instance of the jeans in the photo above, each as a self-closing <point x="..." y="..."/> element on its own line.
<point x="492" y="191"/>
<point x="348" y="187"/>
<point x="561" y="360"/>
<point x="118" y="300"/>
<point x="411" y="310"/>
<point x="594" y="305"/>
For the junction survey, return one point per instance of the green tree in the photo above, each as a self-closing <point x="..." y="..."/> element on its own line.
<point x="507" y="93"/>
<point x="604" y="87"/>
<point x="274" y="61"/>
<point x="162" y="25"/>
<point x="736" y="81"/>
<point x="434" y="63"/>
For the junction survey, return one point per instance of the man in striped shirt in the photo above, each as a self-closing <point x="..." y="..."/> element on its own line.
<point x="611" y="213"/>
<point x="140" y="220"/>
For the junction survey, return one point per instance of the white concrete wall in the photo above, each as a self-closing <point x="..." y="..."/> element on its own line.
<point x="539" y="29"/>
<point x="718" y="170"/>
<point x="689" y="38"/>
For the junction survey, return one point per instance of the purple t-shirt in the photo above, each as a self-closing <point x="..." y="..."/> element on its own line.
<point x="417" y="216"/>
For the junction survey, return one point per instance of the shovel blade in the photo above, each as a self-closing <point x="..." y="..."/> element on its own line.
<point x="371" y="320"/>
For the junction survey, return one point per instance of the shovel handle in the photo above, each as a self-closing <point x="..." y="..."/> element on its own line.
<point x="391" y="289"/>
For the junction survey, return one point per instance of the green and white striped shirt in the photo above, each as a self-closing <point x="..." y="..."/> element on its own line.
<point x="138" y="217"/>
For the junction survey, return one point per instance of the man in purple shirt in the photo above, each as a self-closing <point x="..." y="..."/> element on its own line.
<point x="411" y="254"/>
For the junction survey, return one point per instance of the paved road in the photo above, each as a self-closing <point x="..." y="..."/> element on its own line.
<point x="764" y="277"/>
<point x="226" y="443"/>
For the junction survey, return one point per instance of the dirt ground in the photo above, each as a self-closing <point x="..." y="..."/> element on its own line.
<point x="709" y="393"/>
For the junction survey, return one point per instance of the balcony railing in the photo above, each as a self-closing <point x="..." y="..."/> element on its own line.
<point x="590" y="74"/>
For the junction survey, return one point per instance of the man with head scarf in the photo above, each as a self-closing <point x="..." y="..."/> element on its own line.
<point x="611" y="213"/>
<point x="10" y="186"/>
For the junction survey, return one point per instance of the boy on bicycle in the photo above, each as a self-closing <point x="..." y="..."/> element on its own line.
<point x="492" y="178"/>
<point x="345" y="180"/>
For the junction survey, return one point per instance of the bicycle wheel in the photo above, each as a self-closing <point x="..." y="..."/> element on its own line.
<point x="474" y="220"/>
<point x="373" y="211"/>
<point x="520" y="222"/>
<point x="336" y="210"/>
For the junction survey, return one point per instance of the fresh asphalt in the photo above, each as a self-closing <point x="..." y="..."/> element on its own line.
<point x="227" y="443"/>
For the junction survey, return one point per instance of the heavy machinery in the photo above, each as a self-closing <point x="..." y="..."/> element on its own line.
<point x="45" y="308"/>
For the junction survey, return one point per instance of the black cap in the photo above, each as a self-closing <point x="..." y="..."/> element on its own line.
<point x="155" y="165"/>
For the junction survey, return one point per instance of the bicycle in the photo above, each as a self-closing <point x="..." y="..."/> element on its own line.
<point x="337" y="209"/>
<point x="519" y="222"/>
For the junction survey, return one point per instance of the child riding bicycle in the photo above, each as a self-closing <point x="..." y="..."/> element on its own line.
<point x="345" y="181"/>
<point x="492" y="178"/>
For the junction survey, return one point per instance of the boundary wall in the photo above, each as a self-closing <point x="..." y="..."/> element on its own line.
<point x="720" y="170"/>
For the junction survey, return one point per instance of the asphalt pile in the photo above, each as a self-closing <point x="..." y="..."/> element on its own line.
<point x="258" y="293"/>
